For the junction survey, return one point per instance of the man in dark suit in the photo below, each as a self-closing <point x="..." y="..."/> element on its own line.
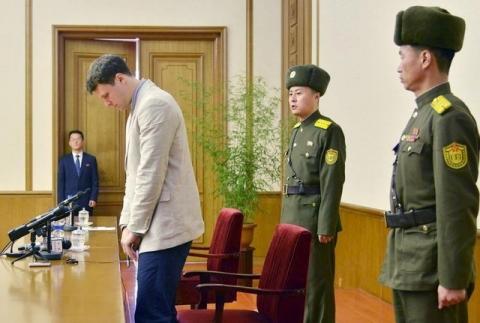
<point x="77" y="171"/>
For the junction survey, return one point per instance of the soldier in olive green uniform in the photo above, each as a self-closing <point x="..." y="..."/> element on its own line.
<point x="429" y="259"/>
<point x="314" y="176"/>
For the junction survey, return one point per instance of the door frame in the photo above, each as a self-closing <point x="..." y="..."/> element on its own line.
<point x="62" y="33"/>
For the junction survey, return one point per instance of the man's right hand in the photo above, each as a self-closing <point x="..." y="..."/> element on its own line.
<point x="448" y="297"/>
<point x="130" y="243"/>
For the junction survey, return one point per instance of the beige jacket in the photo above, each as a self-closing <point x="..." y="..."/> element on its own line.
<point x="161" y="196"/>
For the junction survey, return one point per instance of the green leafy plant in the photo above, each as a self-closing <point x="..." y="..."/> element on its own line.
<point x="246" y="156"/>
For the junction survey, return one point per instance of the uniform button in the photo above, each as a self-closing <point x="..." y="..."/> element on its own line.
<point x="403" y="137"/>
<point x="313" y="204"/>
<point x="409" y="148"/>
<point x="415" y="114"/>
<point x="301" y="129"/>
<point x="424" y="228"/>
<point x="307" y="155"/>
<point x="294" y="144"/>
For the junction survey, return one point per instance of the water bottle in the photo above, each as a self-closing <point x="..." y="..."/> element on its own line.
<point x="83" y="216"/>
<point x="78" y="239"/>
<point x="57" y="237"/>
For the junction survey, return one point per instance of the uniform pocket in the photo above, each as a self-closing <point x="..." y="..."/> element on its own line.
<point x="413" y="148"/>
<point x="309" y="157"/>
<point x="418" y="249"/>
<point x="310" y="201"/>
<point x="301" y="210"/>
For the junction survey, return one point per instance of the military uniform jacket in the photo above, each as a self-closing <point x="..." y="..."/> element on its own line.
<point x="437" y="167"/>
<point x="317" y="157"/>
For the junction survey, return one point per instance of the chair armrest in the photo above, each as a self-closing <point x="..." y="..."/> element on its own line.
<point x="219" y="274"/>
<point x="221" y="289"/>
<point x="251" y="290"/>
<point x="199" y="248"/>
<point x="215" y="255"/>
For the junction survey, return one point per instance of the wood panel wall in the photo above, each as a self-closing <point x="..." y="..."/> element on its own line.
<point x="17" y="208"/>
<point x="266" y="219"/>
<point x="360" y="251"/>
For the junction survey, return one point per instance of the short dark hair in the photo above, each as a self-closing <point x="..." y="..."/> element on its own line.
<point x="75" y="131"/>
<point x="104" y="69"/>
<point x="443" y="57"/>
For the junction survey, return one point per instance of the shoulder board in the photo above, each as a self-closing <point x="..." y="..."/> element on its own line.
<point x="440" y="104"/>
<point x="297" y="125"/>
<point x="322" y="123"/>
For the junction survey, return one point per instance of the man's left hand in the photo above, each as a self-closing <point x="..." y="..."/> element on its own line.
<point x="448" y="297"/>
<point x="324" y="238"/>
<point x="92" y="203"/>
<point x="130" y="243"/>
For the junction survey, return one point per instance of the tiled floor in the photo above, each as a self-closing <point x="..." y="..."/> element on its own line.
<point x="353" y="305"/>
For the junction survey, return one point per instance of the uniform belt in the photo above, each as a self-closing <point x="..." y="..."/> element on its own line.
<point x="301" y="189"/>
<point x="410" y="218"/>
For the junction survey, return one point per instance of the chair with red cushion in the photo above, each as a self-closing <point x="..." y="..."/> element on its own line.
<point x="281" y="291"/>
<point x="223" y="255"/>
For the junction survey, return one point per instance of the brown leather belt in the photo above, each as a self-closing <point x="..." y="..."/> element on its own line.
<point x="301" y="189"/>
<point x="410" y="218"/>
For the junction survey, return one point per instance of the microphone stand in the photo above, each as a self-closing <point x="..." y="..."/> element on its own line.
<point x="34" y="250"/>
<point x="69" y="220"/>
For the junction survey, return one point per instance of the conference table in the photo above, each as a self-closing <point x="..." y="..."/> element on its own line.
<point x="90" y="291"/>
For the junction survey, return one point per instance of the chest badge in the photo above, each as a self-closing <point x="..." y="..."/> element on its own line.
<point x="413" y="136"/>
<point x="331" y="156"/>
<point x="455" y="155"/>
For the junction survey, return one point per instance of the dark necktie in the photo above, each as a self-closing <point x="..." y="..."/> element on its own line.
<point x="77" y="164"/>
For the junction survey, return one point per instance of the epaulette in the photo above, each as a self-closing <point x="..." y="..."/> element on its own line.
<point x="297" y="125"/>
<point x="440" y="104"/>
<point x="322" y="123"/>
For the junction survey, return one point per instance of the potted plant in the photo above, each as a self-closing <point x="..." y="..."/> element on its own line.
<point x="245" y="157"/>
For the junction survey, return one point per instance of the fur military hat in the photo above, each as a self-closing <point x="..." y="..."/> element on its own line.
<point x="308" y="75"/>
<point x="429" y="26"/>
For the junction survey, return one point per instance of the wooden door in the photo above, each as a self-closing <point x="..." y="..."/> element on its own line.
<point x="186" y="69"/>
<point x="104" y="129"/>
<point x="172" y="64"/>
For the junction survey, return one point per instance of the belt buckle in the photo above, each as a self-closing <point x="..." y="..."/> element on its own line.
<point x="285" y="189"/>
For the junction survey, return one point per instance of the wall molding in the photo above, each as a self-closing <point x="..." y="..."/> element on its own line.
<point x="296" y="49"/>
<point x="28" y="96"/>
<point x="26" y="193"/>
<point x="249" y="40"/>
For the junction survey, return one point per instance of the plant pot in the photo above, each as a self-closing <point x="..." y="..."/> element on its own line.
<point x="247" y="235"/>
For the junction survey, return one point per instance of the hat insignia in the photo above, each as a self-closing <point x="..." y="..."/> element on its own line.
<point x="292" y="74"/>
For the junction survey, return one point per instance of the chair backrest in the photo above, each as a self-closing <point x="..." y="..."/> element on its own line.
<point x="226" y="239"/>
<point x="285" y="267"/>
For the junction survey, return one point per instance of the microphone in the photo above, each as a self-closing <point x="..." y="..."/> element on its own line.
<point x="57" y="213"/>
<point x="60" y="216"/>
<point x="74" y="198"/>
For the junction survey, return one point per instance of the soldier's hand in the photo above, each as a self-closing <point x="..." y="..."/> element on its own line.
<point x="324" y="238"/>
<point x="448" y="297"/>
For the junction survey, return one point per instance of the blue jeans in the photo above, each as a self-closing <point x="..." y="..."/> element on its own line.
<point x="157" y="280"/>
